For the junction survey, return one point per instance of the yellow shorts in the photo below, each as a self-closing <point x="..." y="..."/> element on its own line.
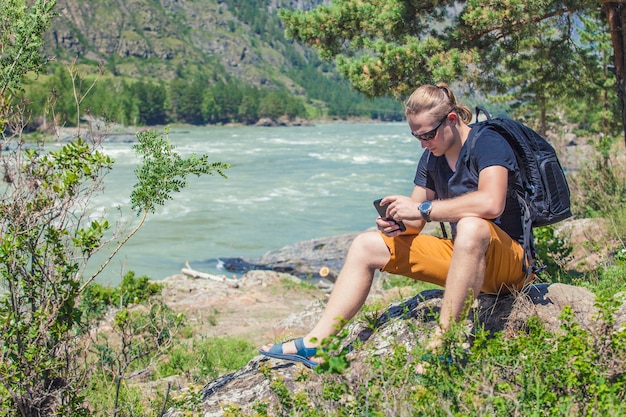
<point x="427" y="258"/>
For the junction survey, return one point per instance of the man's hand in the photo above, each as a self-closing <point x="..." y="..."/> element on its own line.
<point x="402" y="208"/>
<point x="388" y="227"/>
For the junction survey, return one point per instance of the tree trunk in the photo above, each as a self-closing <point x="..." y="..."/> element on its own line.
<point x="616" y="15"/>
<point x="543" y="118"/>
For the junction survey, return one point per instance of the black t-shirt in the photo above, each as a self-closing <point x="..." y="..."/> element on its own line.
<point x="434" y="173"/>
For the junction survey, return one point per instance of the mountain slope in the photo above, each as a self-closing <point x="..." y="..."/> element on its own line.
<point x="172" y="38"/>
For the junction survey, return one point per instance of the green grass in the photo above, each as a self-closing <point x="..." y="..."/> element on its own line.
<point x="206" y="359"/>
<point x="399" y="281"/>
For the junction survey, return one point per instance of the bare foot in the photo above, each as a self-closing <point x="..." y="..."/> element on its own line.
<point x="288" y="347"/>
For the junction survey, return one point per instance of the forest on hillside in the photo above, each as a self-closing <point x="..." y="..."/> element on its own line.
<point x="231" y="63"/>
<point x="195" y="101"/>
<point x="237" y="61"/>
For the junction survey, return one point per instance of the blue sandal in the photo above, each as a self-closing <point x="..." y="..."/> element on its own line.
<point x="302" y="355"/>
<point x="428" y="357"/>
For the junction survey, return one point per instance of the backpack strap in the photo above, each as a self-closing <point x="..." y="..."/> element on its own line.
<point x="528" y="265"/>
<point x="444" y="232"/>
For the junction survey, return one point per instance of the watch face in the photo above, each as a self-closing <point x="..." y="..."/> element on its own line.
<point x="425" y="208"/>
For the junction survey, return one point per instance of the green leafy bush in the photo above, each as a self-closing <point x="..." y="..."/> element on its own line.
<point x="96" y="299"/>
<point x="552" y="253"/>
<point x="599" y="188"/>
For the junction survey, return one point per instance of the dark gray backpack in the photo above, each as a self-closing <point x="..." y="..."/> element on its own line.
<point x="545" y="195"/>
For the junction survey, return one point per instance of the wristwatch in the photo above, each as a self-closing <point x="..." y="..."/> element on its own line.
<point x="425" y="207"/>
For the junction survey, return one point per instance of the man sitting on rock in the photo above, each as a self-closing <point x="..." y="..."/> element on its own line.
<point x="484" y="253"/>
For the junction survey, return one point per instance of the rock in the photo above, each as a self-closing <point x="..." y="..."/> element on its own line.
<point x="312" y="259"/>
<point x="323" y="258"/>
<point x="255" y="310"/>
<point x="282" y="121"/>
<point x="266" y="122"/>
<point x="507" y="313"/>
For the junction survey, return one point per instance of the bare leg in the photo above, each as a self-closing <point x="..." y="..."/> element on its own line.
<point x="467" y="268"/>
<point x="465" y="276"/>
<point x="367" y="253"/>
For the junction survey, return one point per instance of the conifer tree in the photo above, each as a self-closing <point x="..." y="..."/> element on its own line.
<point x="522" y="50"/>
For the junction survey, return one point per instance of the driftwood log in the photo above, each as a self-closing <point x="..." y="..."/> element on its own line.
<point x="188" y="271"/>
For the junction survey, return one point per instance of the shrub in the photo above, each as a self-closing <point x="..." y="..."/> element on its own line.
<point x="552" y="253"/>
<point x="599" y="188"/>
<point x="46" y="239"/>
<point x="97" y="299"/>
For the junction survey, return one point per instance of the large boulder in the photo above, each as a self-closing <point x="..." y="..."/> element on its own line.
<point x="508" y="314"/>
<point x="311" y="259"/>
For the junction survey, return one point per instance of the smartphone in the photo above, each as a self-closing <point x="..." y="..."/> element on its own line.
<point x="382" y="212"/>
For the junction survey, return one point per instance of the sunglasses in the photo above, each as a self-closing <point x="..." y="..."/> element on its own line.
<point x="431" y="133"/>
